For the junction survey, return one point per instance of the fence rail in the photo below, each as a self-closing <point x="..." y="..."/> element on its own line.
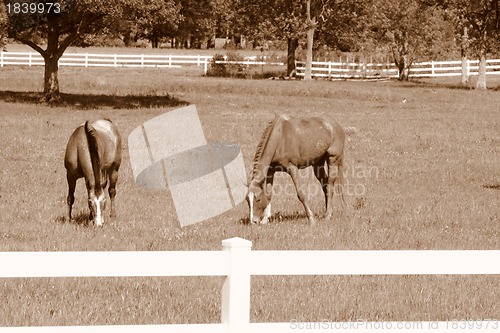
<point x="107" y="60"/>
<point x="238" y="263"/>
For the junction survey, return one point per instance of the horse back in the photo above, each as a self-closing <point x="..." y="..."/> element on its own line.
<point x="77" y="159"/>
<point x="306" y="140"/>
<point x="109" y="141"/>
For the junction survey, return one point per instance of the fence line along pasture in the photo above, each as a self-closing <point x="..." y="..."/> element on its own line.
<point x="331" y="70"/>
<point x="237" y="263"/>
<point x="339" y="70"/>
<point x="107" y="60"/>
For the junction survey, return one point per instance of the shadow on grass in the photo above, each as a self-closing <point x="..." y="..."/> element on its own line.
<point x="433" y="85"/>
<point x="452" y="86"/>
<point x="80" y="219"/>
<point x="280" y="217"/>
<point x="86" y="101"/>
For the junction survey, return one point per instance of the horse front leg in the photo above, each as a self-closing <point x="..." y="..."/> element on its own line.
<point x="293" y="171"/>
<point x="70" y="200"/>
<point x="268" y="192"/>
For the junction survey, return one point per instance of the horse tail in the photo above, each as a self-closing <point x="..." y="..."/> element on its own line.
<point x="91" y="135"/>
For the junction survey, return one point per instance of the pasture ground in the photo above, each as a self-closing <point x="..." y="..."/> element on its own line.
<point x="422" y="166"/>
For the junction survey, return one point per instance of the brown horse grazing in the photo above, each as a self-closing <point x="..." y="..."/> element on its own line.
<point x="94" y="151"/>
<point x="290" y="144"/>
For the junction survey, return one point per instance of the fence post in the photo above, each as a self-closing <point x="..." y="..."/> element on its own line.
<point x="236" y="289"/>
<point x="1" y="58"/>
<point x="205" y="65"/>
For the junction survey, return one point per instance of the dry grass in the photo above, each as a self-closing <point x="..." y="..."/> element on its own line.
<point x="422" y="166"/>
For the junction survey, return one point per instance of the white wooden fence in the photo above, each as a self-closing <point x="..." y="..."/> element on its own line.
<point x="422" y="69"/>
<point x="238" y="263"/>
<point x="107" y="60"/>
<point x="332" y="70"/>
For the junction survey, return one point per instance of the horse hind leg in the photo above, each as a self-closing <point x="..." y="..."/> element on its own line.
<point x="321" y="173"/>
<point x="113" y="178"/>
<point x="335" y="182"/>
<point x="293" y="171"/>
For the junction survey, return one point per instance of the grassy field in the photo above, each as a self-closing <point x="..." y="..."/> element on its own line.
<point x="422" y="172"/>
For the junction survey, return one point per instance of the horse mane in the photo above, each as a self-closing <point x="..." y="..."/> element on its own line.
<point x="263" y="143"/>
<point x="94" y="153"/>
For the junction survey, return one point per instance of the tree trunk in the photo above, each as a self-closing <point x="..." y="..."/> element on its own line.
<point x="154" y="39"/>
<point x="311" y="25"/>
<point x="400" y="53"/>
<point x="309" y="53"/>
<point x="465" y="67"/>
<point x="404" y="71"/>
<point x="51" y="81"/>
<point x="51" y="58"/>
<point x="481" y="75"/>
<point x="293" y="43"/>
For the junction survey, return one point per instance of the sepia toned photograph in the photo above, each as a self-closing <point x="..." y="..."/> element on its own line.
<point x="250" y="166"/>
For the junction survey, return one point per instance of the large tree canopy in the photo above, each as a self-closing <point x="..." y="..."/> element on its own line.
<point x="410" y="30"/>
<point x="50" y="27"/>
<point x="149" y="20"/>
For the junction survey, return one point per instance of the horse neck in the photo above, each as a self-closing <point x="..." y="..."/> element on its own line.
<point x="264" y="160"/>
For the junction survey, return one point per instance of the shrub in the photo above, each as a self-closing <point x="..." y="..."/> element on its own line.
<point x="226" y="70"/>
<point x="241" y="70"/>
<point x="215" y="69"/>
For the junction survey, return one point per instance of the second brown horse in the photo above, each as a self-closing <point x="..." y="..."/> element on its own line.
<point x="289" y="144"/>
<point x="94" y="152"/>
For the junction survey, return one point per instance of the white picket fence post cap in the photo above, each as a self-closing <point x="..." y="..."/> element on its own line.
<point x="236" y="242"/>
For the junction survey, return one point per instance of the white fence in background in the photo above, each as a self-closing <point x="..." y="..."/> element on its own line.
<point x="330" y="70"/>
<point x="351" y="70"/>
<point x="339" y="70"/>
<point x="238" y="263"/>
<point x="107" y="60"/>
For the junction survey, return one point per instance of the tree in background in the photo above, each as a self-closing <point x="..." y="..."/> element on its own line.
<point x="198" y="22"/>
<point x="285" y="19"/>
<point x="3" y="27"/>
<point x="57" y="25"/>
<point x="410" y="30"/>
<point x="271" y="20"/>
<point x="151" y="20"/>
<point x="479" y="24"/>
<point x="344" y="27"/>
